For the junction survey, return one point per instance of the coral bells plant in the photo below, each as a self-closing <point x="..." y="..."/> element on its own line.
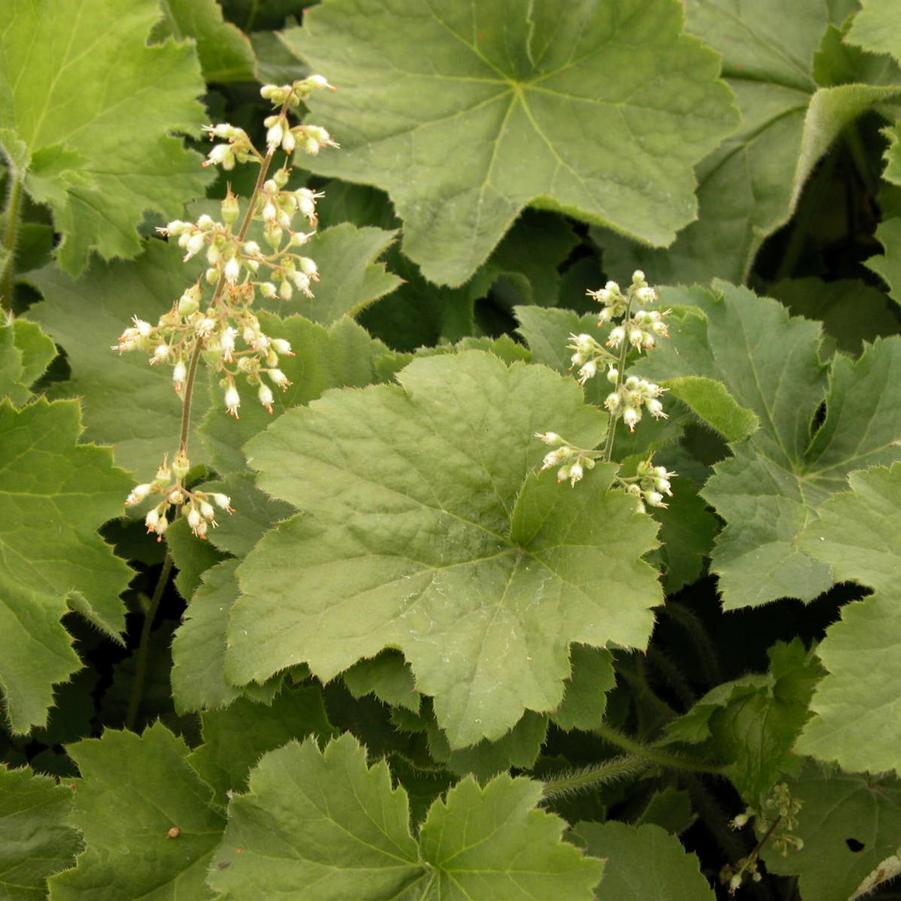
<point x="636" y="328"/>
<point x="214" y="320"/>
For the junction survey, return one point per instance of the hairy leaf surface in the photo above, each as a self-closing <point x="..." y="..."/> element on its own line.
<point x="419" y="533"/>
<point x="54" y="495"/>
<point x="324" y="826"/>
<point x="75" y="82"/>
<point x="498" y="106"/>
<point x="857" y="706"/>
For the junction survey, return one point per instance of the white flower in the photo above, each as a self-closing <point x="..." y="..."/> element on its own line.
<point x="308" y="267"/>
<point x="575" y="473"/>
<point x="207" y="511"/>
<point x="232" y="270"/>
<point x="556" y="457"/>
<point x="194" y="518"/>
<point x="227" y="342"/>
<point x="613" y="401"/>
<point x="160" y="353"/>
<point x="194" y="245"/>
<point x="588" y="371"/>
<point x="631" y="417"/>
<point x="265" y="396"/>
<point x="616" y="336"/>
<point x="646" y="295"/>
<point x="655" y="408"/>
<point x="654" y="499"/>
<point x="268" y="290"/>
<point x="289" y="142"/>
<point x="275" y="134"/>
<point x="282" y="346"/>
<point x="138" y="494"/>
<point x="223" y="501"/>
<point x="612" y="375"/>
<point x="638" y="277"/>
<point x="550" y="438"/>
<point x="319" y="81"/>
<point x="232" y="400"/>
<point x="278" y="378"/>
<point x="179" y="373"/>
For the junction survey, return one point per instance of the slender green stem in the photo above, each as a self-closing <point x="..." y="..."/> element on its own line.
<point x="700" y="638"/>
<point x="10" y="239"/>
<point x="638" y="682"/>
<point x="137" y="688"/>
<point x="588" y="777"/>
<point x="620" y="378"/>
<point x="654" y="754"/>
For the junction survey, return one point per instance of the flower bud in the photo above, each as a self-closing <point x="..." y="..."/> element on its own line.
<point x="308" y="267"/>
<point x="189" y="302"/>
<point x="278" y="378"/>
<point x="631" y="417"/>
<point x="181" y="466"/>
<point x="550" y="438"/>
<point x="230" y="208"/>
<point x="612" y="375"/>
<point x="281" y="177"/>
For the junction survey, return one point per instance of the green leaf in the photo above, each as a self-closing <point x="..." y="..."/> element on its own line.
<point x="387" y="676"/>
<point x="322" y="825"/>
<point x="225" y="52"/>
<point x="235" y="738"/>
<point x="133" y="791"/>
<point x="351" y="276"/>
<point x="877" y="27"/>
<point x="585" y="698"/>
<point x="192" y="557"/>
<point x="35" y="840"/>
<point x="769" y="489"/>
<point x="73" y="85"/>
<point x="198" y="650"/>
<point x="127" y="403"/>
<point x="642" y="862"/>
<point x="54" y="495"/>
<point x="484" y="615"/>
<point x="888" y="266"/>
<point x="852" y="312"/>
<point x="849" y="824"/>
<point x="857" y="709"/>
<point x="341" y="355"/>
<point x="752" y="722"/>
<point x="750" y="185"/>
<point x="714" y="406"/>
<point x="504" y="105"/>
<point x="25" y="353"/>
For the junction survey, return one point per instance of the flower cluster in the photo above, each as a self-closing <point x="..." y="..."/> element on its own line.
<point x="214" y="319"/>
<point x="776" y="820"/>
<point x="633" y="329"/>
<point x="573" y="461"/>
<point x="199" y="507"/>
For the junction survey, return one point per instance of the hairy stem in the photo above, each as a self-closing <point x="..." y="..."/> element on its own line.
<point x="10" y="239"/>
<point x="620" y="378"/>
<point x="588" y="777"/>
<point x="654" y="754"/>
<point x="137" y="688"/>
<point x="700" y="638"/>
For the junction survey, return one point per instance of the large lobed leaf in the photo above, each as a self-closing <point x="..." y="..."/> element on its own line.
<point x="422" y="530"/>
<point x="771" y="486"/>
<point x="90" y="109"/>
<point x="601" y="113"/>
<point x="323" y="826"/>
<point x="857" y="707"/>
<point x="54" y="495"/>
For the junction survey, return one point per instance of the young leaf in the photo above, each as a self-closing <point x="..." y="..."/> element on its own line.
<point x="644" y="862"/>
<point x="127" y="403"/>
<point x="768" y="490"/>
<point x="35" y="840"/>
<point x="500" y="106"/>
<point x="146" y="818"/>
<point x="74" y="89"/>
<point x="326" y="822"/>
<point x="750" y="185"/>
<point x="419" y="534"/>
<point x="54" y="495"/>
<point x="857" y="708"/>
<point x="752" y="722"/>
<point x="849" y="824"/>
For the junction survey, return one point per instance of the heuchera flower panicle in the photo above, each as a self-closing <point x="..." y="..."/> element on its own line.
<point x="214" y="319"/>
<point x="635" y="328"/>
